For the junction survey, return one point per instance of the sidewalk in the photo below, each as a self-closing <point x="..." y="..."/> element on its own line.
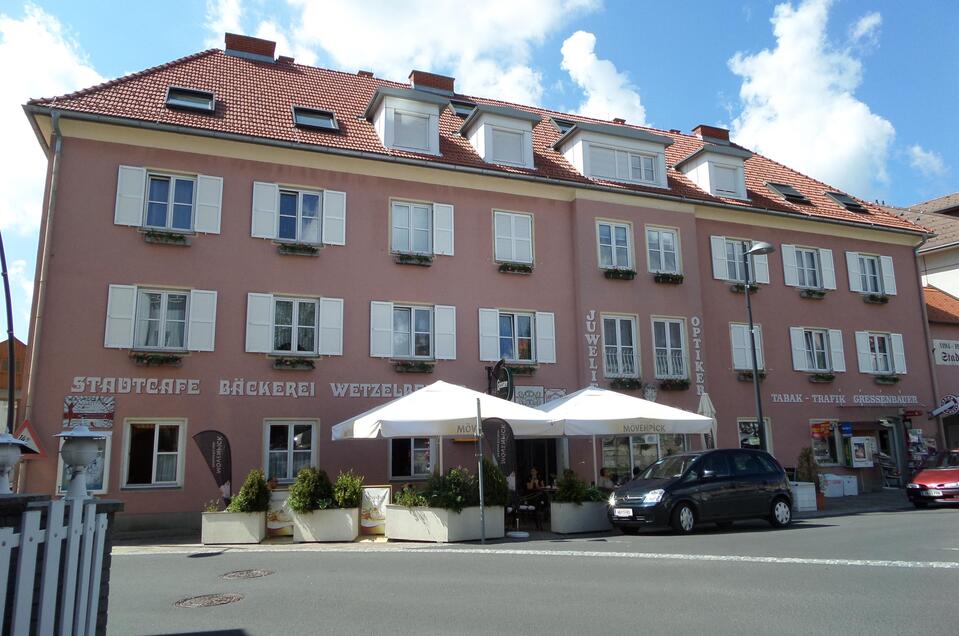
<point x="883" y="501"/>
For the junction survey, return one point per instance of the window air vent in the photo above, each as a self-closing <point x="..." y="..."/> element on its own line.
<point x="847" y="202"/>
<point x="190" y="99"/>
<point x="314" y="118"/>
<point x="789" y="193"/>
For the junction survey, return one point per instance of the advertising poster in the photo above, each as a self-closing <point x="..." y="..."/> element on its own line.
<point x="92" y="411"/>
<point x="279" y="518"/>
<point x="861" y="452"/>
<point x="373" y="509"/>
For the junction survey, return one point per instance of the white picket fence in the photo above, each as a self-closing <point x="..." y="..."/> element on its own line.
<point x="77" y="586"/>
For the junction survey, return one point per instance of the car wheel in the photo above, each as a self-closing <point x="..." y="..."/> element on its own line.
<point x="629" y="530"/>
<point x="781" y="515"/>
<point x="920" y="504"/>
<point x="724" y="525"/>
<point x="684" y="518"/>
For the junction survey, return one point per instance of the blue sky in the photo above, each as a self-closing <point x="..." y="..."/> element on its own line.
<point x="859" y="94"/>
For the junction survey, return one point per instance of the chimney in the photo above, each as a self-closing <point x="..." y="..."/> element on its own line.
<point x="250" y="48"/>
<point x="432" y="83"/>
<point x="619" y="120"/>
<point x="711" y="133"/>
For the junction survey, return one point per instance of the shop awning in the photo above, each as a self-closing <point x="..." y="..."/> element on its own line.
<point x="444" y="410"/>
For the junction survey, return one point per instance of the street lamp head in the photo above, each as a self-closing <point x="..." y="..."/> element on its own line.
<point x="760" y="247"/>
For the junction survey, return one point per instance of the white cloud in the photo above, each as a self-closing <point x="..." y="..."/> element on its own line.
<point x="799" y="107"/>
<point x="21" y="288"/>
<point x="928" y="162"/>
<point x="222" y="16"/>
<point x="866" y="28"/>
<point x="487" y="46"/>
<point x="608" y="92"/>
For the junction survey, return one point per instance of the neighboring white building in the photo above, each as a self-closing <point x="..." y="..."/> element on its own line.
<point x="939" y="256"/>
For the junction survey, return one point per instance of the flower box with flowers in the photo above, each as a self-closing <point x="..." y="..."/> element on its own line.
<point x="886" y="379"/>
<point x="822" y="378"/>
<point x="293" y="363"/>
<point x="413" y="366"/>
<point x="405" y="258"/>
<point x="747" y="375"/>
<point x="298" y="249"/>
<point x="665" y="278"/>
<point x="163" y="237"/>
<point x="875" y="299"/>
<point x="674" y="384"/>
<point x="619" y="273"/>
<point x="740" y="288"/>
<point x="522" y="369"/>
<point x="151" y="359"/>
<point x="515" y="268"/>
<point x="812" y="294"/>
<point x="626" y="384"/>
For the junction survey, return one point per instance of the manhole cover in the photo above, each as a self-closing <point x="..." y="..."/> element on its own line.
<point x="247" y="574"/>
<point x="208" y="600"/>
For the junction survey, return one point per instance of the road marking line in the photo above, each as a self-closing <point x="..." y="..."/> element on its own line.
<point x="875" y="563"/>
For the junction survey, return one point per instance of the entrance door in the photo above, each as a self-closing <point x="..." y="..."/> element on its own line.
<point x="536" y="453"/>
<point x="951" y="424"/>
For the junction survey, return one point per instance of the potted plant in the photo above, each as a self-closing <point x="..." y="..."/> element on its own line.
<point x="244" y="520"/>
<point x="806" y="496"/>
<point x="577" y="507"/>
<point x="447" y="509"/>
<point x="323" y="511"/>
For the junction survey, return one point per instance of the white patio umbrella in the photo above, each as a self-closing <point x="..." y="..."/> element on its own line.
<point x="706" y="408"/>
<point x="595" y="411"/>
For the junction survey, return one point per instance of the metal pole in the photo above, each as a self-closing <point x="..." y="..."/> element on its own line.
<point x="752" y="347"/>
<point x="11" y="365"/>
<point x="479" y="455"/>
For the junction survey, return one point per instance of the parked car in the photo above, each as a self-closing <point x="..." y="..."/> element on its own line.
<point x="719" y="486"/>
<point x="937" y="481"/>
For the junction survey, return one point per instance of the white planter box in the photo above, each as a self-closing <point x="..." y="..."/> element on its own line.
<point x="804" y="495"/>
<point x="442" y="526"/>
<point x="568" y="518"/>
<point x="337" y="524"/>
<point x="233" y="527"/>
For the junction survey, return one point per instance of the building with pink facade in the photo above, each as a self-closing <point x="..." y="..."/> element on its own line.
<point x="240" y="243"/>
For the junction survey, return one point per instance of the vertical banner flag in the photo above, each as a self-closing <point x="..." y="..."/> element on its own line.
<point x="215" y="448"/>
<point x="499" y="437"/>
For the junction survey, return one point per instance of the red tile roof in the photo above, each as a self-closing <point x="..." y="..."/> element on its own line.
<point x="254" y="99"/>
<point x="940" y="306"/>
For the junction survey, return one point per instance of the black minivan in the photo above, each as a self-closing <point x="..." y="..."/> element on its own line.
<point x="719" y="486"/>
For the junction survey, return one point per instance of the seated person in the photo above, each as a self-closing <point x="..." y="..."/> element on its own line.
<point x="604" y="479"/>
<point x="534" y="483"/>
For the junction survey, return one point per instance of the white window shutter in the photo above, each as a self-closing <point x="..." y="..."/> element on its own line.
<point x="761" y="268"/>
<point x="434" y="133"/>
<point x="259" y="323"/>
<point x="444" y="330"/>
<point x="131" y="185"/>
<point x="836" y="354"/>
<point x="797" y="340"/>
<point x="489" y="335"/>
<point x="898" y="353"/>
<point x="334" y="217"/>
<point x="852" y="265"/>
<point x="760" y="360"/>
<point x="121" y="309"/>
<point x="209" y="202"/>
<point x="266" y="203"/>
<point x="888" y="275"/>
<point x="545" y="337"/>
<point x="718" y="244"/>
<point x="738" y="335"/>
<point x="828" y="269"/>
<point x="862" y="352"/>
<point x="331" y="327"/>
<point x="381" y="329"/>
<point x="442" y="229"/>
<point x="202" y="329"/>
<point x="790" y="271"/>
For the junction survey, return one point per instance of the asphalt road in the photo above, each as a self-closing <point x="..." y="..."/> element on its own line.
<point x="880" y="573"/>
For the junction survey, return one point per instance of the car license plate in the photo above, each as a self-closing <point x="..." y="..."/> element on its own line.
<point x="622" y="512"/>
<point x="933" y="493"/>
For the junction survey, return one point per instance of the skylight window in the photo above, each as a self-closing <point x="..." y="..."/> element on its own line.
<point x="462" y="109"/>
<point x="563" y="125"/>
<point x="313" y="118"/>
<point x="190" y="99"/>
<point x="789" y="193"/>
<point x="846" y="201"/>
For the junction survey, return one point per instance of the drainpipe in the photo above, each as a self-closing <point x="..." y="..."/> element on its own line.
<point x="932" y="364"/>
<point x="42" y="282"/>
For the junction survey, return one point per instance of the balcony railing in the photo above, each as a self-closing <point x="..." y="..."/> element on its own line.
<point x="670" y="365"/>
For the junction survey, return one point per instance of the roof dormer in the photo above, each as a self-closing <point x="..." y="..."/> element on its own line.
<point x="501" y="134"/>
<point x="718" y="166"/>
<point x="615" y="152"/>
<point x="407" y="119"/>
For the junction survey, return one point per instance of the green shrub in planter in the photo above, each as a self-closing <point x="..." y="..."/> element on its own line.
<point x="348" y="490"/>
<point x="455" y="490"/>
<point x="409" y="497"/>
<point x="806" y="469"/>
<point x="570" y="489"/>
<point x="495" y="487"/>
<point x="254" y="496"/>
<point x="310" y="491"/>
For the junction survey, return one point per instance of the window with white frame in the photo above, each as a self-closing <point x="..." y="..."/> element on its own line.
<point x="412" y="332"/>
<point x="614" y="245"/>
<point x="669" y="342"/>
<point x="411" y="457"/>
<point x="880" y="353"/>
<point x="170" y="201"/>
<point x="807" y="268"/>
<point x="513" y="237"/>
<point x="508" y="146"/>
<point x="161" y="320"/>
<point x="871" y="274"/>
<point x="516" y="336"/>
<point x="619" y="342"/>
<point x="662" y="245"/>
<point x="412" y="227"/>
<point x="299" y="216"/>
<point x="725" y="180"/>
<point x="735" y="251"/>
<point x="727" y="255"/>
<point x="294" y="325"/>
<point x="742" y="347"/>
<point x="154" y="453"/>
<point x="622" y="165"/>
<point x="290" y="447"/>
<point x="411" y="131"/>
<point x="817" y="350"/>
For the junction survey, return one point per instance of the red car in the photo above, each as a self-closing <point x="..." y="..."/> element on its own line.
<point x="937" y="482"/>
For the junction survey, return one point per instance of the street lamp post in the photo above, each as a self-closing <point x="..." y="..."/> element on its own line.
<point x="756" y="249"/>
